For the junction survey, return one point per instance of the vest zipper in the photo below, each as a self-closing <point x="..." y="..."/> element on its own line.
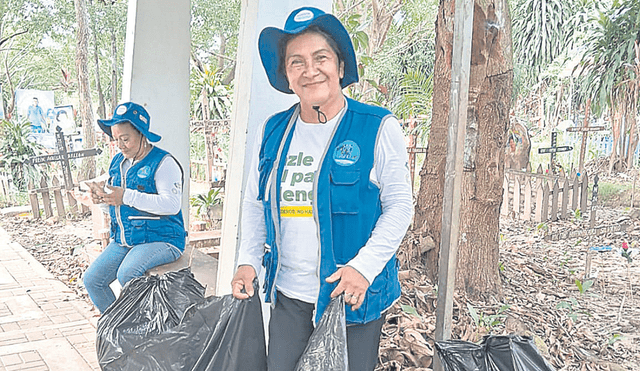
<point x="316" y="218"/>
<point x="123" y="183"/>
<point x="275" y="206"/>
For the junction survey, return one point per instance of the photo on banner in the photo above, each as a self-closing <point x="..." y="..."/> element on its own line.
<point x="32" y="105"/>
<point x="61" y="116"/>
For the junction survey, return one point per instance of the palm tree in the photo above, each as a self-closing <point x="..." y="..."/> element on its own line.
<point x="415" y="100"/>
<point x="545" y="33"/>
<point x="609" y="71"/>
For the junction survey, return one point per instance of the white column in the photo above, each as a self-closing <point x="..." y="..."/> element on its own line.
<point x="254" y="101"/>
<point x="156" y="74"/>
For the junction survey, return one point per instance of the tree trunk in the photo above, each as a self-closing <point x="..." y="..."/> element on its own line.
<point x="114" y="71"/>
<point x="616" y="123"/>
<point x="221" y="51"/>
<point x="88" y="167"/>
<point x="96" y="60"/>
<point x="490" y="90"/>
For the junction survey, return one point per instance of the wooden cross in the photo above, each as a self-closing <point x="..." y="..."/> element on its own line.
<point x="63" y="156"/>
<point x="585" y="130"/>
<point x="553" y="149"/>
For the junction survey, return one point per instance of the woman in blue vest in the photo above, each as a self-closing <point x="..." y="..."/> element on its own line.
<point x="144" y="199"/>
<point x="328" y="198"/>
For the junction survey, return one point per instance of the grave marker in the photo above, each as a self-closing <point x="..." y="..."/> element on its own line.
<point x="585" y="130"/>
<point x="63" y="156"/>
<point x="596" y="231"/>
<point x="553" y="150"/>
<point x="591" y="232"/>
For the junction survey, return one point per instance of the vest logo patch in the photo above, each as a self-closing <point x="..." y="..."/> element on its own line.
<point x="144" y="172"/>
<point x="347" y="153"/>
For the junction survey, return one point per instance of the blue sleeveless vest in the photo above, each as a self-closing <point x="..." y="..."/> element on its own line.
<point x="346" y="208"/>
<point x="130" y="226"/>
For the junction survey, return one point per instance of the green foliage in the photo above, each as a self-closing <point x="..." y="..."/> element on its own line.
<point x="209" y="82"/>
<point x="415" y="99"/>
<point x="15" y="148"/>
<point x="206" y="200"/>
<point x="501" y="266"/>
<point x="197" y="148"/>
<point x="576" y="214"/>
<point x="356" y="29"/>
<point x="542" y="227"/>
<point x="571" y="307"/>
<point x="610" y="191"/>
<point x="544" y="32"/>
<point x="409" y="310"/>
<point x="408" y="45"/>
<point x="20" y="198"/>
<point x="614" y="338"/>
<point x="488" y="321"/>
<point x="608" y="51"/>
<point x="583" y="286"/>
<point x="211" y="22"/>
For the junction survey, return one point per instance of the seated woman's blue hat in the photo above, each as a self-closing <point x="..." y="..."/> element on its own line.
<point x="134" y="114"/>
<point x="298" y="21"/>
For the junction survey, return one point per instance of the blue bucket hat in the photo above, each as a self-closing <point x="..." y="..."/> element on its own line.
<point x="134" y="114"/>
<point x="298" y="21"/>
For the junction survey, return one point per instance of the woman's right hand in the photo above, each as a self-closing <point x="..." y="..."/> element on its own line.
<point x="97" y="192"/>
<point x="243" y="279"/>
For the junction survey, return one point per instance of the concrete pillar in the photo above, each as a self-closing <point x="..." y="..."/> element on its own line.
<point x="254" y="101"/>
<point x="156" y="73"/>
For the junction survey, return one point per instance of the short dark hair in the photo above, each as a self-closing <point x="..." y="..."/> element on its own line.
<point x="284" y="41"/>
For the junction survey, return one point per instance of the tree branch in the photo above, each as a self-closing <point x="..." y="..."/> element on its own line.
<point x="12" y="36"/>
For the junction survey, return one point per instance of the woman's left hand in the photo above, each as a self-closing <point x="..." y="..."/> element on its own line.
<point x="352" y="283"/>
<point x="115" y="197"/>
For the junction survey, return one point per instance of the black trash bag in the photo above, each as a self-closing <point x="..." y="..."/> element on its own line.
<point x="327" y="346"/>
<point x="495" y="353"/>
<point x="165" y="323"/>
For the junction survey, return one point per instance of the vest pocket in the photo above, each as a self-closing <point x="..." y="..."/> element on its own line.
<point x="345" y="221"/>
<point x="345" y="197"/>
<point x="138" y="231"/>
<point x="146" y="229"/>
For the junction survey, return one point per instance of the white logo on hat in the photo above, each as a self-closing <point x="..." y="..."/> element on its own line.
<point x="143" y="119"/>
<point x="303" y="16"/>
<point x="121" y="110"/>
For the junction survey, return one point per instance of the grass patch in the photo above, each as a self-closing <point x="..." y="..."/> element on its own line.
<point x="16" y="199"/>
<point x="612" y="192"/>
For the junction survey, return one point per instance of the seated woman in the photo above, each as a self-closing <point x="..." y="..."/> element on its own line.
<point x="143" y="197"/>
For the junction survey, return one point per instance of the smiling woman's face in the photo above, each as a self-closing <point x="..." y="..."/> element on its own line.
<point x="313" y="69"/>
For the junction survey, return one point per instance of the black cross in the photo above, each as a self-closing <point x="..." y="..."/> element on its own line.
<point x="553" y="149"/>
<point x="64" y="157"/>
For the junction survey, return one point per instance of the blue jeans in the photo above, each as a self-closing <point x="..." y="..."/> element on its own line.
<point x="123" y="263"/>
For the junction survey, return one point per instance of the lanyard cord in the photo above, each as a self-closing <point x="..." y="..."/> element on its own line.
<point x="322" y="118"/>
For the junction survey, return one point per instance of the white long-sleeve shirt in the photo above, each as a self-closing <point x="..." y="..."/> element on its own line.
<point x="297" y="277"/>
<point x="168" y="180"/>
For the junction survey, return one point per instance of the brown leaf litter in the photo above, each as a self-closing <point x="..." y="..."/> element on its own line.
<point x="596" y="329"/>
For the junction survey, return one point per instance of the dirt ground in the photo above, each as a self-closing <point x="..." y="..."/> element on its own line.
<point x="574" y="324"/>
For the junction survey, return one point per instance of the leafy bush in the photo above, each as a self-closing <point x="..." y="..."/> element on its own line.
<point x="206" y="200"/>
<point x="15" y="148"/>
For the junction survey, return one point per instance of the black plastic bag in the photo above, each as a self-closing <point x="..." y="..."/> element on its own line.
<point x="165" y="323"/>
<point x="495" y="353"/>
<point x="327" y="346"/>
